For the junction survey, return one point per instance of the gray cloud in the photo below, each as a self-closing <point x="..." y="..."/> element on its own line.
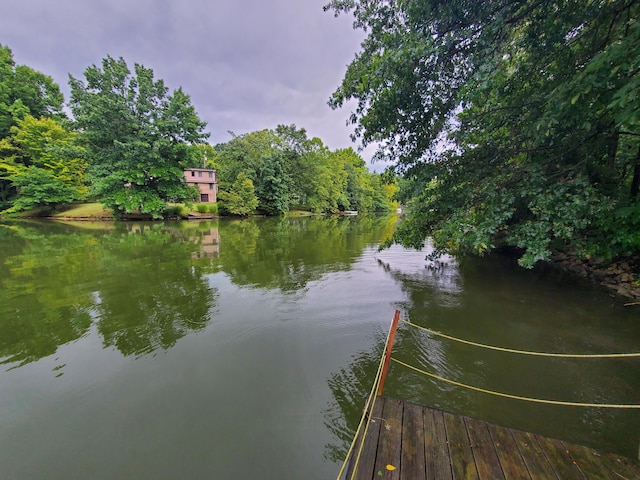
<point x="247" y="64"/>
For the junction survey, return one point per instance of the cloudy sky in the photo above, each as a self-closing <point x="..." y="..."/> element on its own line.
<point x="247" y="64"/>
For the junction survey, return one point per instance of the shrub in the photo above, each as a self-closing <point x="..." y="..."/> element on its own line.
<point x="174" y="211"/>
<point x="222" y="209"/>
<point x="202" y="208"/>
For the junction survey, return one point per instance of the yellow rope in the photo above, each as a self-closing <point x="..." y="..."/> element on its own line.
<point x="514" y="397"/>
<point x="371" y="401"/>
<point x="525" y="352"/>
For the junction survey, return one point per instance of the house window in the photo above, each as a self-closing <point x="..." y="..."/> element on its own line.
<point x="204" y="197"/>
<point x="199" y="174"/>
<point x="210" y="174"/>
<point x="211" y="186"/>
<point x="193" y="174"/>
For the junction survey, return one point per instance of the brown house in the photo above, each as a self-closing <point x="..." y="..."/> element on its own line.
<point x="205" y="180"/>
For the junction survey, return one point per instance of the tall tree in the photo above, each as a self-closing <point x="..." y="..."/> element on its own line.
<point x="274" y="185"/>
<point x="510" y="119"/>
<point x="137" y="134"/>
<point x="261" y="158"/>
<point x="240" y="198"/>
<point x="243" y="153"/>
<point x="288" y="169"/>
<point x="25" y="91"/>
<point x="318" y="176"/>
<point x="43" y="164"/>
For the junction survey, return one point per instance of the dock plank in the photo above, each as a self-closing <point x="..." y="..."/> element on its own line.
<point x="511" y="461"/>
<point x="412" y="459"/>
<point x="560" y="459"/>
<point x="588" y="462"/>
<point x="390" y="440"/>
<point x="420" y="442"/>
<point x="537" y="463"/>
<point x="462" y="462"/>
<point x="534" y="457"/>
<point x="436" y="446"/>
<point x="366" y="463"/>
<point x="484" y="452"/>
<point x="623" y="468"/>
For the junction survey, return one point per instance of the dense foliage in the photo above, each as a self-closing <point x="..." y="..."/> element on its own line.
<point x="24" y="91"/>
<point x="515" y="123"/>
<point x="129" y="141"/>
<point x="43" y="162"/>
<point x="137" y="136"/>
<point x="288" y="170"/>
<point x="40" y="163"/>
<point x="240" y="199"/>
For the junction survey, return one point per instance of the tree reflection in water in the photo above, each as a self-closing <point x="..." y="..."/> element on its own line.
<point x="289" y="253"/>
<point x="140" y="287"/>
<point x="150" y="296"/>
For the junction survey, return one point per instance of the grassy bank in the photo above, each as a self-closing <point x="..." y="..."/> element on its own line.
<point x="95" y="211"/>
<point x="84" y="210"/>
<point x="79" y="211"/>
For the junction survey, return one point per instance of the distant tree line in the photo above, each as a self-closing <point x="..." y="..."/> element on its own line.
<point x="277" y="170"/>
<point x="129" y="140"/>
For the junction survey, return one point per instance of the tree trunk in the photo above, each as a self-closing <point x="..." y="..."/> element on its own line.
<point x="612" y="149"/>
<point x="635" y="181"/>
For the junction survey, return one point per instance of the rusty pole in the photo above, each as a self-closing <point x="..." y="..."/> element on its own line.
<point x="387" y="355"/>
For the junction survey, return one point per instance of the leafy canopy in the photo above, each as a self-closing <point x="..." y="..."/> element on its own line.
<point x="290" y="170"/>
<point x="515" y="123"/>
<point x="137" y="135"/>
<point x="24" y="91"/>
<point x="44" y="163"/>
<point x="240" y="199"/>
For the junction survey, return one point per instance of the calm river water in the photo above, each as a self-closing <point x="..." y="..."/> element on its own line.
<point x="245" y="349"/>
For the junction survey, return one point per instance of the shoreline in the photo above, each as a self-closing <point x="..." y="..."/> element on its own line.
<point x="621" y="277"/>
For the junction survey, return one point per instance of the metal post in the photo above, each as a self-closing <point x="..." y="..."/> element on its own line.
<point x="387" y="355"/>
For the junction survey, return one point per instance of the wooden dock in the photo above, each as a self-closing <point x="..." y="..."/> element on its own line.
<point x="410" y="441"/>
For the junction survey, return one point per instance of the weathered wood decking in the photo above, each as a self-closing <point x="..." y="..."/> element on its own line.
<point x="425" y="443"/>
